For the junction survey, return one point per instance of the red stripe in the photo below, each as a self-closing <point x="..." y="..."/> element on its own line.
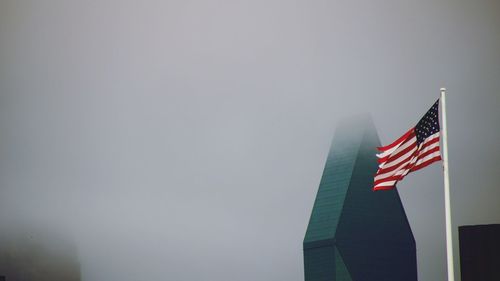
<point x="426" y="163"/>
<point x="386" y="158"/>
<point x="426" y="143"/>
<point x="384" y="187"/>
<point x="430" y="151"/>
<point x="407" y="159"/>
<point x="401" y="153"/>
<point x="384" y="148"/>
<point x="415" y="168"/>
<point x="392" y="178"/>
<point x="406" y="165"/>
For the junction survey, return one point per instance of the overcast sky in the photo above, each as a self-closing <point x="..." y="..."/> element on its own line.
<point x="185" y="139"/>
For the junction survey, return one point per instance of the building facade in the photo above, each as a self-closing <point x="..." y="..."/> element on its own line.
<point x="354" y="233"/>
<point x="480" y="252"/>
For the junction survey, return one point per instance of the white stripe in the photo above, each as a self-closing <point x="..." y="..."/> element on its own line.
<point x="398" y="147"/>
<point x="385" y="183"/>
<point x="428" y="157"/>
<point x="403" y="170"/>
<point x="396" y="172"/>
<point x="409" y="168"/>
<point x="431" y="137"/>
<point x="412" y="162"/>
<point x="400" y="159"/>
<point x="434" y="145"/>
<point x="390" y="150"/>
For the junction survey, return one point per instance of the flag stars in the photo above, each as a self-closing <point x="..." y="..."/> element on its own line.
<point x="427" y="135"/>
<point x="428" y="125"/>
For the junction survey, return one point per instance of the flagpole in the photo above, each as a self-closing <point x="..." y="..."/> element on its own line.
<point x="449" y="241"/>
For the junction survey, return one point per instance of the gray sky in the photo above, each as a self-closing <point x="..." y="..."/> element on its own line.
<point x="185" y="140"/>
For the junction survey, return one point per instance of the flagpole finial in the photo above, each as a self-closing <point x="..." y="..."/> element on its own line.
<point x="443" y="89"/>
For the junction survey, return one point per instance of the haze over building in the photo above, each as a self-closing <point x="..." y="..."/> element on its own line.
<point x="162" y="131"/>
<point x="354" y="233"/>
<point x="28" y="253"/>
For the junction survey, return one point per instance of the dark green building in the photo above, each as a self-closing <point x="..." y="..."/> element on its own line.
<point x="354" y="233"/>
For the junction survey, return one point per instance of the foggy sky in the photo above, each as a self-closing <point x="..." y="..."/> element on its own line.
<point x="185" y="140"/>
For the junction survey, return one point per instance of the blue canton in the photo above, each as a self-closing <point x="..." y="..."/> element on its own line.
<point x="429" y="124"/>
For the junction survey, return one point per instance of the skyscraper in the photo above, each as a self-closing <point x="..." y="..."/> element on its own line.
<point x="354" y="233"/>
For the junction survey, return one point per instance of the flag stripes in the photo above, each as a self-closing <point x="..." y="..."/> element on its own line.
<point x="416" y="149"/>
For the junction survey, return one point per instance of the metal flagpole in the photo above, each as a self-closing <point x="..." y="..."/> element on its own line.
<point x="449" y="241"/>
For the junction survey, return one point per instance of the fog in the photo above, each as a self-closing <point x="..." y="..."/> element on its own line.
<point x="185" y="140"/>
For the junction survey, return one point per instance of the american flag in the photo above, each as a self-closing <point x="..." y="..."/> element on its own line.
<point x="416" y="149"/>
